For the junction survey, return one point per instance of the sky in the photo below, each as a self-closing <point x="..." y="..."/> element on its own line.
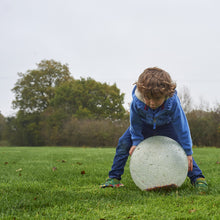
<point x="113" y="42"/>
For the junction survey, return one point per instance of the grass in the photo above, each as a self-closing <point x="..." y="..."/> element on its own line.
<point x="63" y="183"/>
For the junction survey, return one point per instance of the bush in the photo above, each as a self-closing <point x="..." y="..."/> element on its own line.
<point x="204" y="127"/>
<point x="95" y="133"/>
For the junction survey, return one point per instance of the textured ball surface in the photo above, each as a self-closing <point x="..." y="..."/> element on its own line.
<point x="157" y="162"/>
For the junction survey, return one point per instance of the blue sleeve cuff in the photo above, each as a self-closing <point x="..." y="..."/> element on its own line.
<point x="188" y="152"/>
<point x="136" y="142"/>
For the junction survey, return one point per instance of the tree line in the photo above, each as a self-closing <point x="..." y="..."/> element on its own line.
<point x="54" y="109"/>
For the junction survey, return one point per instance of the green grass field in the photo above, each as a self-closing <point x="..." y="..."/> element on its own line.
<point x="63" y="183"/>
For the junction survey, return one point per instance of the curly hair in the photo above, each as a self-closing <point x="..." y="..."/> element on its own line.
<point x="155" y="82"/>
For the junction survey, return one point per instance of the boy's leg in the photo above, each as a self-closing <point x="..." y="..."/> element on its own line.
<point x="121" y="156"/>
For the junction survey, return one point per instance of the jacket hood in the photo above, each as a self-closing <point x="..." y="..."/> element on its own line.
<point x="137" y="93"/>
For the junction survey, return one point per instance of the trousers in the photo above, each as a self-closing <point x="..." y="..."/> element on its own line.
<point x="125" y="143"/>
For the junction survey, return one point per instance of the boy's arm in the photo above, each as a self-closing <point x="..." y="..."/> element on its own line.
<point x="136" y="126"/>
<point x="132" y="149"/>
<point x="182" y="128"/>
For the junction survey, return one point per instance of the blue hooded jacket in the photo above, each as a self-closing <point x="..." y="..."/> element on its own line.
<point x="171" y="112"/>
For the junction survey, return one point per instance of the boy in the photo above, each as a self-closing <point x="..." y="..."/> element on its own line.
<point x="155" y="110"/>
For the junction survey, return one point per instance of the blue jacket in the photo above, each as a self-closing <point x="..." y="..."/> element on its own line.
<point x="171" y="112"/>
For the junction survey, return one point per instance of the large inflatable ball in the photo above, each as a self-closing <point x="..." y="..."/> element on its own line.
<point x="158" y="162"/>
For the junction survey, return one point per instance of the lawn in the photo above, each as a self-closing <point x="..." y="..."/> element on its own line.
<point x="63" y="183"/>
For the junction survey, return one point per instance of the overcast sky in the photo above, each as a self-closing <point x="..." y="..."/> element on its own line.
<point x="113" y="41"/>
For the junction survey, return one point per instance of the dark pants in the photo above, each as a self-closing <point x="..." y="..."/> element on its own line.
<point x="125" y="143"/>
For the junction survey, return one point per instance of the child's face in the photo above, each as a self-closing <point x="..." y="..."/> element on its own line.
<point x="154" y="102"/>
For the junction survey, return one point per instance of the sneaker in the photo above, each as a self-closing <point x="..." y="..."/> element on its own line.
<point x="201" y="185"/>
<point x="111" y="183"/>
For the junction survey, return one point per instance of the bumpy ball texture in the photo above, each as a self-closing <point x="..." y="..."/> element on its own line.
<point x="157" y="162"/>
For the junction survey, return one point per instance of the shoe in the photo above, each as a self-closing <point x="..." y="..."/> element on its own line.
<point x="111" y="183"/>
<point x="201" y="185"/>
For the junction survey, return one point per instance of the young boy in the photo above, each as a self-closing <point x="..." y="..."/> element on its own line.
<point x="155" y="110"/>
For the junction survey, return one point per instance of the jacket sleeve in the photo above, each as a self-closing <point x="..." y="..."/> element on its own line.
<point x="181" y="127"/>
<point x="136" y="125"/>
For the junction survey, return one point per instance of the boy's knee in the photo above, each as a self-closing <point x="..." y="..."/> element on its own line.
<point x="124" y="142"/>
<point x="123" y="145"/>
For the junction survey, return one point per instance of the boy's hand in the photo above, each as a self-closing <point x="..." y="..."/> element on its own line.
<point x="132" y="150"/>
<point x="190" y="163"/>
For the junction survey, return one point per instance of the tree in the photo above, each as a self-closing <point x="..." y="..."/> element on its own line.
<point x="203" y="104"/>
<point x="48" y="98"/>
<point x="35" y="88"/>
<point x="24" y="129"/>
<point x="185" y="99"/>
<point x="2" y="127"/>
<point x="86" y="98"/>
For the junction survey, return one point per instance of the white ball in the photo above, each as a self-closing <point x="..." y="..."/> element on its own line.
<point x="157" y="162"/>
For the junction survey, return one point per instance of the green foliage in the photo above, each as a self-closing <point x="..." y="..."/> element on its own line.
<point x="46" y="183"/>
<point x="204" y="127"/>
<point x="49" y="99"/>
<point x="86" y="98"/>
<point x="59" y="131"/>
<point x="95" y="133"/>
<point x="50" y="85"/>
<point x="52" y="123"/>
<point x="2" y="126"/>
<point x="34" y="90"/>
<point x="24" y="129"/>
